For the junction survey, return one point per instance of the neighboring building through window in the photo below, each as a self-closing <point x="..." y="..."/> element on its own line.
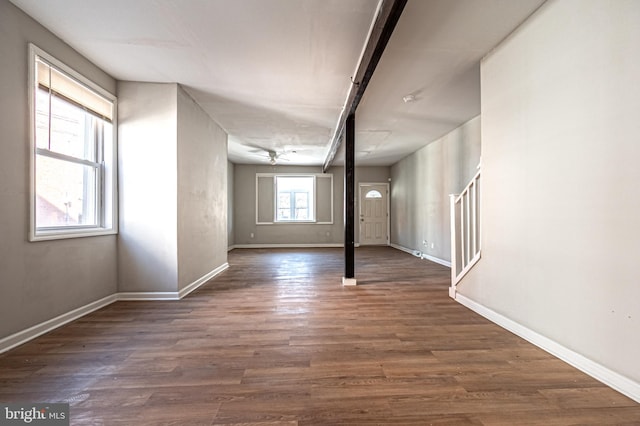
<point x="295" y="197"/>
<point x="74" y="159"/>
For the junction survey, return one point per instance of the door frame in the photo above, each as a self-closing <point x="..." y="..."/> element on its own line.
<point x="387" y="195"/>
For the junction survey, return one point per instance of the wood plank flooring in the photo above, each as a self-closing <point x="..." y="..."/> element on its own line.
<point x="276" y="340"/>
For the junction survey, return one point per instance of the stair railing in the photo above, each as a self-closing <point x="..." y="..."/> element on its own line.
<point x="465" y="231"/>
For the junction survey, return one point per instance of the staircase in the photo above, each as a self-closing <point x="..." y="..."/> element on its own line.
<point x="465" y="231"/>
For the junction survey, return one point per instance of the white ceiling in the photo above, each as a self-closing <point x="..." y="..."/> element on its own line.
<point x="275" y="73"/>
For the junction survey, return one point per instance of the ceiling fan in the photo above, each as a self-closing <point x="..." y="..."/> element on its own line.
<point x="273" y="156"/>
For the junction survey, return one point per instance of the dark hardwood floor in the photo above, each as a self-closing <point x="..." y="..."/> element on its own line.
<point x="276" y="340"/>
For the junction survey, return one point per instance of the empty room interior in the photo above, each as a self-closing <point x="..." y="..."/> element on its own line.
<point x="314" y="212"/>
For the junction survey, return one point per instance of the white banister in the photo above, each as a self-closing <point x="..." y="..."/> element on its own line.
<point x="465" y="231"/>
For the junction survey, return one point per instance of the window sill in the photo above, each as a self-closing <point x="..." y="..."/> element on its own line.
<point x="71" y="233"/>
<point x="289" y="222"/>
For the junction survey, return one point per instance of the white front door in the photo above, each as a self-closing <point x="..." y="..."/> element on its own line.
<point x="374" y="213"/>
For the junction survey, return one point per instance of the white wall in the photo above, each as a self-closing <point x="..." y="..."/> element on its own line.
<point x="420" y="188"/>
<point x="202" y="192"/>
<point x="39" y="280"/>
<point x="560" y="150"/>
<point x="147" y="150"/>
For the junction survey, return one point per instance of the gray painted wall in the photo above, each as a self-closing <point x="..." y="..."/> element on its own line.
<point x="245" y="207"/>
<point x="173" y="175"/>
<point x="147" y="150"/>
<point x="39" y="280"/>
<point x="202" y="192"/>
<point x="420" y="188"/>
<point x="245" y="211"/>
<point x="560" y="234"/>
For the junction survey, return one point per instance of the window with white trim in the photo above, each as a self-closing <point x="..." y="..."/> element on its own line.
<point x="73" y="165"/>
<point x="295" y="197"/>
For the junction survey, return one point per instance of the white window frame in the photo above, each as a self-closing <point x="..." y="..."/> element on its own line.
<point x="273" y="213"/>
<point x="107" y="208"/>
<point x="312" y="199"/>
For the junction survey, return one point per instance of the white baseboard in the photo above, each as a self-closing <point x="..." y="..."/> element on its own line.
<point x="422" y="255"/>
<point x="203" y="279"/>
<point x="257" y="246"/>
<point x="437" y="260"/>
<point x="135" y="296"/>
<point x="452" y="292"/>
<point x="31" y="333"/>
<point x="402" y="248"/>
<point x="599" y="372"/>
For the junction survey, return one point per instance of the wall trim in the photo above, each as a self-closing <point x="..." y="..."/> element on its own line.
<point x="599" y="372"/>
<point x="404" y="249"/>
<point x="133" y="296"/>
<point x="436" y="260"/>
<point x="203" y="279"/>
<point x="418" y="253"/>
<point x="256" y="246"/>
<point x="31" y="333"/>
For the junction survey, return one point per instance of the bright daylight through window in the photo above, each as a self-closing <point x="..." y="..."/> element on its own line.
<point x="295" y="198"/>
<point x="73" y="161"/>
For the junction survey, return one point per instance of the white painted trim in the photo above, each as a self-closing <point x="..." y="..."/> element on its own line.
<point x="402" y="248"/>
<point x="330" y="177"/>
<point x="107" y="205"/>
<point x="31" y="333"/>
<point x="452" y="292"/>
<point x="203" y="279"/>
<point x="256" y="204"/>
<point x="316" y="176"/>
<point x="256" y="246"/>
<point x="421" y="255"/>
<point x="172" y="295"/>
<point x="349" y="281"/>
<point x="599" y="372"/>
<point x="436" y="260"/>
<point x="147" y="295"/>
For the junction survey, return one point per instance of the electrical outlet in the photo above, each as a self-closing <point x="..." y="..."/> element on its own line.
<point x="252" y="235"/>
<point x="433" y="245"/>
<point x="424" y="243"/>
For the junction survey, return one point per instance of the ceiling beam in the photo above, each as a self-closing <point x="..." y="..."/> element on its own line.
<point x="388" y="15"/>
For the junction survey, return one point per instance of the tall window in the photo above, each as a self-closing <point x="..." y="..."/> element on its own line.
<point x="294" y="198"/>
<point x="73" y="162"/>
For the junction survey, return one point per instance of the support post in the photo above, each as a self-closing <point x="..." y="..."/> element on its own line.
<point x="349" y="202"/>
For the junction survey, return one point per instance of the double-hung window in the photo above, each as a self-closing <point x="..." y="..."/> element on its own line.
<point x="73" y="162"/>
<point x="295" y="197"/>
